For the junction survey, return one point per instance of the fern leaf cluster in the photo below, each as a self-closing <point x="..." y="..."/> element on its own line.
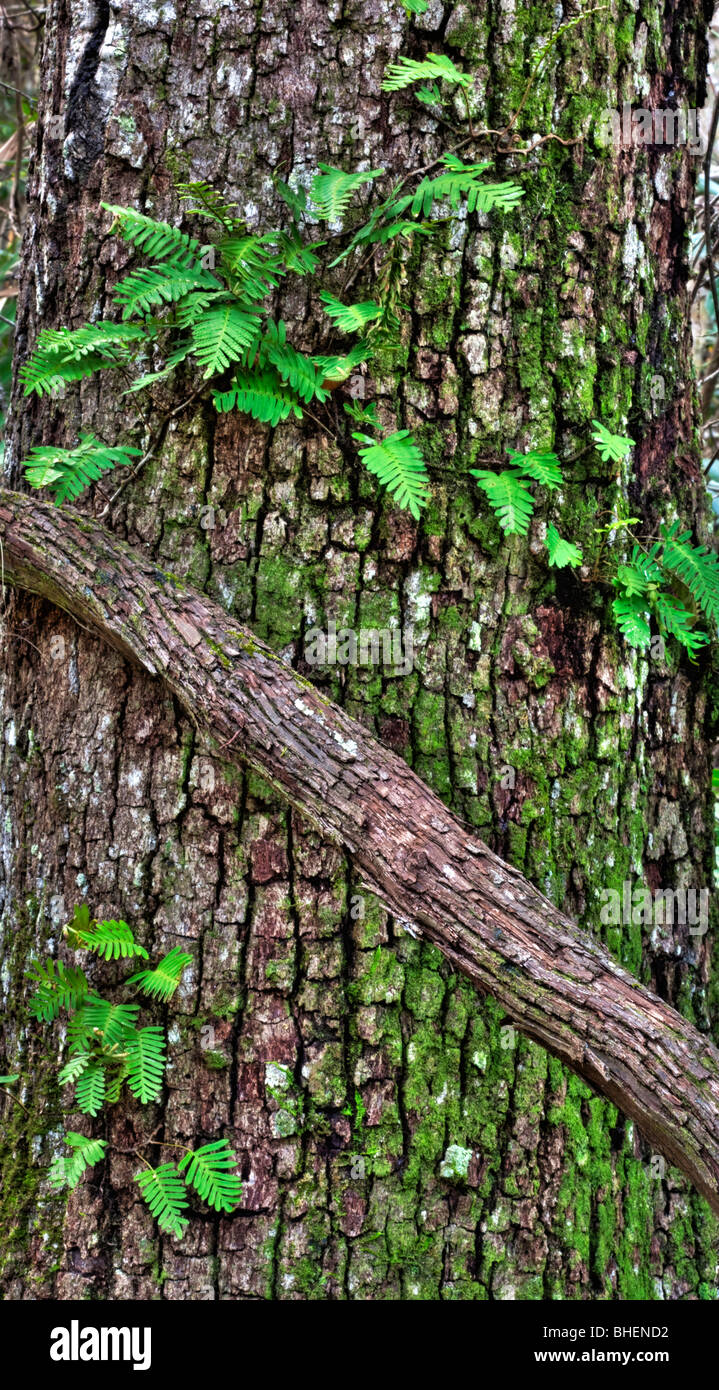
<point x="58" y="987"/>
<point x="398" y="464"/>
<point x="333" y="190"/>
<point x="645" y="585"/>
<point x="507" y="492"/>
<point x="67" y="472"/>
<point x="67" y="1169"/>
<point x="64" y="354"/>
<point x="162" y="982"/>
<point x="208" y="1170"/>
<point x="165" y="1194"/>
<point x="435" y="67"/>
<point x="109" y="940"/>
<point x="462" y="181"/>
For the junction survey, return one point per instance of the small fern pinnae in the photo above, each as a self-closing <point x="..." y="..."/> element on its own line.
<point x="164" y="1192"/>
<point x="162" y="982"/>
<point x="208" y="1171"/>
<point x="398" y="464"/>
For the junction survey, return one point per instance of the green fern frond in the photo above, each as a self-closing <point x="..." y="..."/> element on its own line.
<point x="158" y="240"/>
<point x="677" y="620"/>
<point x="461" y="181"/>
<point x="415" y="6"/>
<point x="641" y="572"/>
<point x="67" y="1169"/>
<point x="332" y="191"/>
<point x="436" y="66"/>
<point x="166" y="1195"/>
<point x="253" y="270"/>
<point x="542" y="467"/>
<point x="208" y="1172"/>
<point x="696" y="566"/>
<point x="339" y="368"/>
<point x="222" y="337"/>
<point x="162" y="982"/>
<point x="109" y="940"/>
<point x="174" y="359"/>
<point x="74" y="1068"/>
<point x="351" y="318"/>
<point x="297" y="370"/>
<point x="611" y="446"/>
<point x="146" y="1063"/>
<point x="65" y="354"/>
<point x="59" y="987"/>
<point x="209" y="203"/>
<point x="298" y="257"/>
<point x="631" y="615"/>
<point x="262" y="395"/>
<point x="398" y="464"/>
<point x="149" y="288"/>
<point x="90" y="1089"/>
<point x="189" y="310"/>
<point x="561" y="552"/>
<point x="67" y="472"/>
<point x="509" y="499"/>
<point x="295" y="198"/>
<point x="109" y="1024"/>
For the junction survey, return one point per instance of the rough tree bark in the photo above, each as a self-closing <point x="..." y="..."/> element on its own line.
<point x="336" y="1034"/>
<point x="441" y="882"/>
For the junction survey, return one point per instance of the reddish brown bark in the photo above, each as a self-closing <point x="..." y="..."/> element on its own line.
<point x="560" y="987"/>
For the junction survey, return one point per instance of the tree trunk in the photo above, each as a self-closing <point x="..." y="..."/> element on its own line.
<point x="349" y="1063"/>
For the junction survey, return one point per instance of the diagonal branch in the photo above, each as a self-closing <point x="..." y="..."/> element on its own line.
<point x="558" y="985"/>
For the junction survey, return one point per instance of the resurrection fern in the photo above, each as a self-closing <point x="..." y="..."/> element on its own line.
<point x="562" y="553"/>
<point x="264" y="396"/>
<point x="207" y="202"/>
<point x="207" y="1169"/>
<point x="67" y="1169"/>
<point x="90" y="1089"/>
<point x="350" y="318"/>
<point x="110" y="940"/>
<point x="146" y="1063"/>
<point x="695" y="566"/>
<point x="59" y="987"/>
<point x="436" y="66"/>
<point x="398" y="464"/>
<point x="509" y="499"/>
<point x="145" y="290"/>
<point x="67" y="472"/>
<point x="507" y="492"/>
<point x="632" y="615"/>
<point x="332" y="191"/>
<point x="158" y="240"/>
<point x="461" y="181"/>
<point x="162" y="982"/>
<point x="166" y="1196"/>
<point x="106" y="1050"/>
<point x="222" y="337"/>
<point x="205" y="306"/>
<point x="64" y="354"/>
<point x="647" y="581"/>
<point x="209" y="1172"/>
<point x="610" y="446"/>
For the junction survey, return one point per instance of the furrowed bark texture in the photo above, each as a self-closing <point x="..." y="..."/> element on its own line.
<point x="440" y="882"/>
<point x="397" y="1140"/>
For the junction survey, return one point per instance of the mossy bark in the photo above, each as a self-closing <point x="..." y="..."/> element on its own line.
<point x="396" y="1142"/>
